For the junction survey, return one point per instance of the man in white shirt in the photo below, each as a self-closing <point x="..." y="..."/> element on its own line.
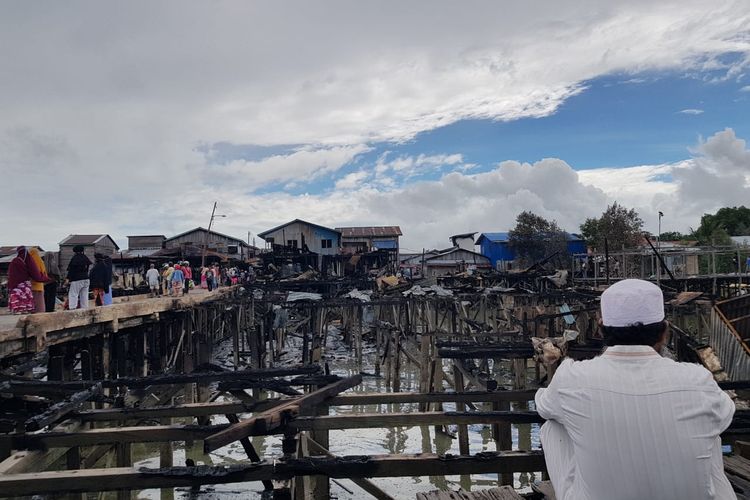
<point x="631" y="424"/>
<point x="152" y="277"/>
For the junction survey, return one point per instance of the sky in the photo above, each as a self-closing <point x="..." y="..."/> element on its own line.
<point x="441" y="117"/>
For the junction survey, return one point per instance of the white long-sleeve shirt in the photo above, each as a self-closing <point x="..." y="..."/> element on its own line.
<point x="642" y="426"/>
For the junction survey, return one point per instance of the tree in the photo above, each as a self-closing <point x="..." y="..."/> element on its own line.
<point x="728" y="221"/>
<point x="535" y="238"/>
<point x="621" y="228"/>
<point x="673" y="236"/>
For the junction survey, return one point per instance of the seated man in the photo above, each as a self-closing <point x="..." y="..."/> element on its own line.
<point x="631" y="424"/>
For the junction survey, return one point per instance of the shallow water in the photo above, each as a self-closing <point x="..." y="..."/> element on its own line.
<point x="417" y="439"/>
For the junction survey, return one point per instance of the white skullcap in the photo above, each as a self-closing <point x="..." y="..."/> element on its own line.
<point x="632" y="301"/>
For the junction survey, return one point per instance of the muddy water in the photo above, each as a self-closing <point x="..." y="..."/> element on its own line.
<point x="418" y="439"/>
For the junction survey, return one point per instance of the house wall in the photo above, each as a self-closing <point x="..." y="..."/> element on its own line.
<point x="310" y="235"/>
<point x="576" y="247"/>
<point x="105" y="247"/>
<point x="141" y="242"/>
<point x="465" y="243"/>
<point x="455" y="261"/>
<point x="497" y="251"/>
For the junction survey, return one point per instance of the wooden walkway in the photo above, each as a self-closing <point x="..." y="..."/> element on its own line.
<point x="32" y="333"/>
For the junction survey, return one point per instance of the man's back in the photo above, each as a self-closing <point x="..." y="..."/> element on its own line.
<point x="642" y="426"/>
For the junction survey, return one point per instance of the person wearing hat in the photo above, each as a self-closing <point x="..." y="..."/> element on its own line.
<point x="631" y="423"/>
<point x="78" y="276"/>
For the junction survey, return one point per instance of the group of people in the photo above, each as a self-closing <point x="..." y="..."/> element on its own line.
<point x="83" y="277"/>
<point x="33" y="280"/>
<point x="173" y="280"/>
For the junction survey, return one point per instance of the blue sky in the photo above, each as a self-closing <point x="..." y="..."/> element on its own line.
<point x="615" y="121"/>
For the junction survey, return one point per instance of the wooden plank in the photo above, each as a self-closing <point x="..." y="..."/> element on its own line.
<point x="125" y="478"/>
<point x="59" y="410"/>
<point x="374" y="420"/>
<point x="186" y="410"/>
<point x="431" y="397"/>
<point x="249" y="450"/>
<point x="273" y="418"/>
<point x="501" y="493"/>
<point x="42" y="387"/>
<point x="366" y="485"/>
<point x="140" y="434"/>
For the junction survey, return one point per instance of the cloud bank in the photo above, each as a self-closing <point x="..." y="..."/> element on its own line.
<point x="107" y="107"/>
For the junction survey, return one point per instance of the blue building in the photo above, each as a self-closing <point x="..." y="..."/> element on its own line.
<point x="496" y="246"/>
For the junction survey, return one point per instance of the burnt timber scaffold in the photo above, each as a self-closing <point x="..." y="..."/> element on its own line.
<point x="168" y="345"/>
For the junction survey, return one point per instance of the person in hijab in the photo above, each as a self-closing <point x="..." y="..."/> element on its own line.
<point x="178" y="280"/>
<point x="204" y="281"/>
<point x="37" y="287"/>
<point x="50" y="288"/>
<point x="78" y="276"/>
<point x="21" y="272"/>
<point x="98" y="279"/>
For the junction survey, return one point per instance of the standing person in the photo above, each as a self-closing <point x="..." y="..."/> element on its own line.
<point x="152" y="277"/>
<point x="209" y="278"/>
<point x="204" y="282"/>
<point x="98" y="279"/>
<point x="167" y="277"/>
<point x="37" y="287"/>
<point x="631" y="423"/>
<point x="188" y="272"/>
<point x="178" y="280"/>
<point x="108" y="291"/>
<point x="50" y="288"/>
<point x="78" y="276"/>
<point x="21" y="272"/>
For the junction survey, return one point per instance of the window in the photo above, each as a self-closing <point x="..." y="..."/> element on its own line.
<point x="270" y="241"/>
<point x="326" y="243"/>
<point x="232" y="249"/>
<point x="291" y="243"/>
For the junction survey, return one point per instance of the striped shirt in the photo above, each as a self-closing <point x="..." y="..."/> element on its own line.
<point x="641" y="426"/>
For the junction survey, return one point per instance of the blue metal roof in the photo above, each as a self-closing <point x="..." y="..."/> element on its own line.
<point x="503" y="237"/>
<point x="493" y="237"/>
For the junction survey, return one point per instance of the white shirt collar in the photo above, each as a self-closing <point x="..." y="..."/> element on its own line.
<point x="631" y="351"/>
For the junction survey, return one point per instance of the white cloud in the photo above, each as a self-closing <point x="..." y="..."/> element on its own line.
<point x="300" y="166"/>
<point x="746" y="88"/>
<point x="104" y="106"/>
<point x="352" y="180"/>
<point x="691" y="111"/>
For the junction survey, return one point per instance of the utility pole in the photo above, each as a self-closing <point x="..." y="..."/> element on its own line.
<point x="205" y="239"/>
<point x="658" y="249"/>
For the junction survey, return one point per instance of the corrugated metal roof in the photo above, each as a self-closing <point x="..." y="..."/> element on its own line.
<point x="269" y="231"/>
<point x="494" y="237"/>
<point x="369" y="231"/>
<point x="9" y="250"/>
<point x="87" y="239"/>
<point x="502" y="237"/>
<point x="204" y="230"/>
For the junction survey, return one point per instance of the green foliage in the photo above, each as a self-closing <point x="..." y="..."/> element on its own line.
<point x="715" y="229"/>
<point x="674" y="236"/>
<point x="620" y="226"/>
<point x="534" y="238"/>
